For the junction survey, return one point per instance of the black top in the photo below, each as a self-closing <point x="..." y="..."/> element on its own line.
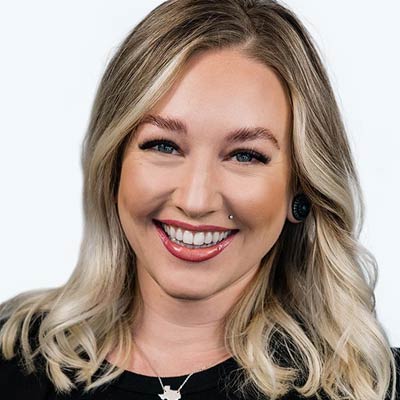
<point x="208" y="384"/>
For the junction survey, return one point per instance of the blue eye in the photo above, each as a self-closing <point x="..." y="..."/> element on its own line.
<point x="167" y="147"/>
<point x="163" y="144"/>
<point x="251" y="153"/>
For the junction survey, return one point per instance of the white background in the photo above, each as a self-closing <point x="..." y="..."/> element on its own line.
<point x="52" y="57"/>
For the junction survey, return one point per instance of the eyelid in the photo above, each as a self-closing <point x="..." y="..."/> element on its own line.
<point x="153" y="142"/>
<point x="259" y="156"/>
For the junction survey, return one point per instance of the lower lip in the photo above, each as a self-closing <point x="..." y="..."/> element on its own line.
<point x="193" y="255"/>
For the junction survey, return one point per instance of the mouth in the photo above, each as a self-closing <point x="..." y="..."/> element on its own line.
<point x="182" y="243"/>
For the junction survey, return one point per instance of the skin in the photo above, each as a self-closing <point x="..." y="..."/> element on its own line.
<point x="202" y="183"/>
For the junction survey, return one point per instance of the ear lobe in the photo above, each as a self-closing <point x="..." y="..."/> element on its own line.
<point x="298" y="209"/>
<point x="290" y="216"/>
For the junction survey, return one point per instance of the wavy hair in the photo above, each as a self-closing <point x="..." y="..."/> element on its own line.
<point x="314" y="291"/>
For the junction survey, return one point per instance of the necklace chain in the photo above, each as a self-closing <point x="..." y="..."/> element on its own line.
<point x="167" y="389"/>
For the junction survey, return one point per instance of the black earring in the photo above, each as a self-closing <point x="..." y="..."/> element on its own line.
<point x="300" y="207"/>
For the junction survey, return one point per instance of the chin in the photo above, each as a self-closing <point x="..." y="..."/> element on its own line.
<point x="192" y="294"/>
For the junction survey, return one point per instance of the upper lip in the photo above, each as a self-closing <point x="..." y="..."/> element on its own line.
<point x="190" y="227"/>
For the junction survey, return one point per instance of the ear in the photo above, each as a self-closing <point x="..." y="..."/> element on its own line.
<point x="290" y="216"/>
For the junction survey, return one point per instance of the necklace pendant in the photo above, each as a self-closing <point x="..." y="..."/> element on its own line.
<point x="170" y="394"/>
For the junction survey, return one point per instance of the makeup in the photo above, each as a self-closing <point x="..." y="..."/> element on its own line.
<point x="193" y="255"/>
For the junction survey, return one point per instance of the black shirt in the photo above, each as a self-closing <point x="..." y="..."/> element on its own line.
<point x="205" y="385"/>
<point x="208" y="384"/>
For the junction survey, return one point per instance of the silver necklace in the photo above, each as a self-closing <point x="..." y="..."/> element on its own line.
<point x="168" y="393"/>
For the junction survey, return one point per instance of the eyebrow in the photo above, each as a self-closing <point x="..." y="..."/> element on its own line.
<point x="243" y="134"/>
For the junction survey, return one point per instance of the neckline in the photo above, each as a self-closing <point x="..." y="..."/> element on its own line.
<point x="199" y="381"/>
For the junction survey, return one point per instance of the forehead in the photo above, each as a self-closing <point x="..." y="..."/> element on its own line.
<point x="224" y="90"/>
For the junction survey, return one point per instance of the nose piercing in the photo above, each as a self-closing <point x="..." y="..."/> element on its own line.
<point x="230" y="216"/>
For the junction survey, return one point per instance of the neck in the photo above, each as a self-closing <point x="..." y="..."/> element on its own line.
<point x="190" y="328"/>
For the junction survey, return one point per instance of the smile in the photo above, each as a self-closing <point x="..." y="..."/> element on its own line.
<point x="193" y="246"/>
<point x="194" y="239"/>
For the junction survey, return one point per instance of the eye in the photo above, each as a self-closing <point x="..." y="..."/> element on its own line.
<point x="250" y="154"/>
<point x="162" y="144"/>
<point x="167" y="147"/>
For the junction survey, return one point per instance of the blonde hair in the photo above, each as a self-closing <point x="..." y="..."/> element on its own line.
<point x="307" y="321"/>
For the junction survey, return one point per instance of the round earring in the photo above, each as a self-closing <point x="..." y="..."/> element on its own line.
<point x="230" y="216"/>
<point x="300" y="207"/>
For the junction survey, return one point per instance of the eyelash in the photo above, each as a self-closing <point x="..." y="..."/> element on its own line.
<point x="262" y="158"/>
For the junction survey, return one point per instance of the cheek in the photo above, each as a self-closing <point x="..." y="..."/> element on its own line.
<point x="137" y="195"/>
<point x="137" y="188"/>
<point x="265" y="205"/>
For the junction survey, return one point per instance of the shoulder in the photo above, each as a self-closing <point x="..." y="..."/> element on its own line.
<point x="15" y="382"/>
<point x="33" y="331"/>
<point x="323" y="396"/>
<point x="396" y="354"/>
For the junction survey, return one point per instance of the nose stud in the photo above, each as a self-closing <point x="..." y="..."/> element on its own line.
<point x="230" y="216"/>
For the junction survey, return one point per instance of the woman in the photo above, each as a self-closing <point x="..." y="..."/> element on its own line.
<point x="222" y="206"/>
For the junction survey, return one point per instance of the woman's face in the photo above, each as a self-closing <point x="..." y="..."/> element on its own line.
<point x="199" y="176"/>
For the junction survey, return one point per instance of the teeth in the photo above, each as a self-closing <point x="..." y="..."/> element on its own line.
<point x="179" y="234"/>
<point x="215" y="237"/>
<point x="194" y="238"/>
<point x="187" y="237"/>
<point x="198" y="238"/>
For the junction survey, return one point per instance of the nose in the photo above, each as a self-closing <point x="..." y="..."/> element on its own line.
<point x="197" y="191"/>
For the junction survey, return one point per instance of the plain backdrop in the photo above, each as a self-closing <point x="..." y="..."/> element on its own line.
<point x="52" y="57"/>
